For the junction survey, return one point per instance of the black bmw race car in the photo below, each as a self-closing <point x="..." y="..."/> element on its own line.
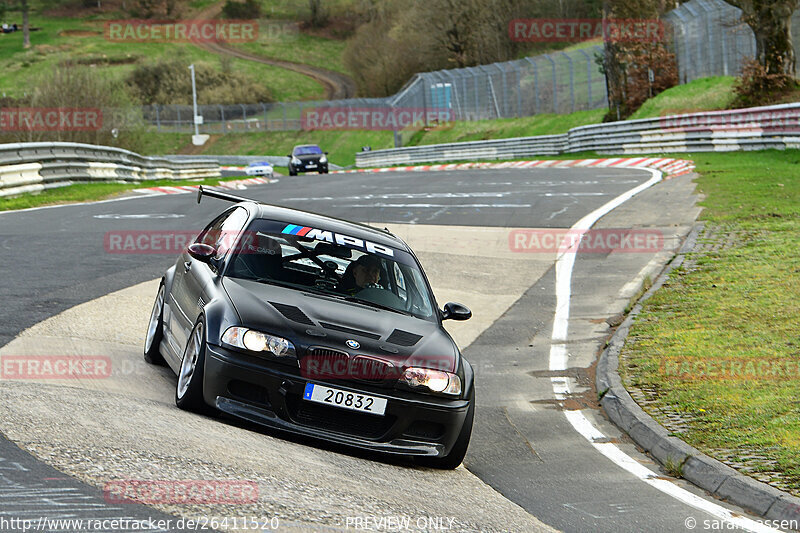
<point x="308" y="158"/>
<point x="317" y="326"/>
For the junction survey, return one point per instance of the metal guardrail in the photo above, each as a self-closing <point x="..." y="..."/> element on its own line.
<point x="33" y="167"/>
<point x="755" y="128"/>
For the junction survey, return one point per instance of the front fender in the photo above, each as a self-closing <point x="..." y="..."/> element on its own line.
<point x="220" y="315"/>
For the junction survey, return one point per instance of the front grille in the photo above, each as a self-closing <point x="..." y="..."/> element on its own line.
<point x="339" y="420"/>
<point x="374" y="370"/>
<point x="324" y="363"/>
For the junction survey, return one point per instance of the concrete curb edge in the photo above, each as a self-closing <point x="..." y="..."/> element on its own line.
<point x="707" y="473"/>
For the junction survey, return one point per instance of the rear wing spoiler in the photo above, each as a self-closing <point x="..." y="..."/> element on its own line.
<point x="220" y="195"/>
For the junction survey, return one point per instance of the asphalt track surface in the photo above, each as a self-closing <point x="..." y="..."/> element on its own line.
<point x="522" y="445"/>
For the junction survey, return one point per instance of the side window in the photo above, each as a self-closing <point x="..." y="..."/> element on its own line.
<point x="222" y="232"/>
<point x="209" y="234"/>
<point x="229" y="231"/>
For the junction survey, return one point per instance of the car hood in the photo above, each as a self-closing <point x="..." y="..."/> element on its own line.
<point x="309" y="319"/>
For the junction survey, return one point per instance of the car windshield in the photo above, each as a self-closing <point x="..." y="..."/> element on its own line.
<point x="260" y="164"/>
<point x="332" y="264"/>
<point x="307" y="150"/>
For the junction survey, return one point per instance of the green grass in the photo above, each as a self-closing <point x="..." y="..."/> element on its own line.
<point x="341" y="146"/>
<point x="738" y="304"/>
<point x="89" y="192"/>
<point x="704" y="94"/>
<point x="277" y="39"/>
<point x="51" y="46"/>
<point x="545" y="124"/>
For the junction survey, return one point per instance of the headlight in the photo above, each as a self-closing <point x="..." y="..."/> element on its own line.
<point x="323" y="159"/>
<point x="295" y="161"/>
<point x="255" y="341"/>
<point x="434" y="380"/>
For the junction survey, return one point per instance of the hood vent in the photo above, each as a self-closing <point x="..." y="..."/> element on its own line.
<point x="293" y="313"/>
<point x="403" y="338"/>
<point x="349" y="331"/>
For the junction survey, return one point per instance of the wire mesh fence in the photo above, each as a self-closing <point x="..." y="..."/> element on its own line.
<point x="561" y="82"/>
<point x="707" y="37"/>
<point x="710" y="39"/>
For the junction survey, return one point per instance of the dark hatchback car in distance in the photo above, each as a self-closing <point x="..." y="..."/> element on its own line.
<point x="308" y="158"/>
<point x="316" y="326"/>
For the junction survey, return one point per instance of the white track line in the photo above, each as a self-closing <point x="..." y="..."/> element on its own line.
<point x="559" y="360"/>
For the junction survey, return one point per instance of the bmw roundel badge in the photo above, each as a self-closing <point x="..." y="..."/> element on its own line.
<point x="352" y="344"/>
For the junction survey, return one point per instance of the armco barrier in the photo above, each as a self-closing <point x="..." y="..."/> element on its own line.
<point x="33" y="167"/>
<point x="755" y="128"/>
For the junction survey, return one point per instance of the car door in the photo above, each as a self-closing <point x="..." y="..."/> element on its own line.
<point x="194" y="278"/>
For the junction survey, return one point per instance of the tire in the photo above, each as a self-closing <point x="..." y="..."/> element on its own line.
<point x="292" y="171"/>
<point x="459" y="450"/>
<point x="189" y="390"/>
<point x="155" y="330"/>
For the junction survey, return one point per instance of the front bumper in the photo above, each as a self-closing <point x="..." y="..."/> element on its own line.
<point x="270" y="394"/>
<point x="310" y="167"/>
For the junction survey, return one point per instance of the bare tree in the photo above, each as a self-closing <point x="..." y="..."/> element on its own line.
<point x="318" y="15"/>
<point x="771" y="22"/>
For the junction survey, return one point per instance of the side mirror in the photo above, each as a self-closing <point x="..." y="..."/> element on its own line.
<point x="456" y="311"/>
<point x="202" y="252"/>
<point x="326" y="153"/>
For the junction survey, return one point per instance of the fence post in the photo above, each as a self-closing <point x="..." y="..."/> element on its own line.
<point x="723" y="43"/>
<point x="244" y="117"/>
<point x="588" y="78"/>
<point x="519" y="90"/>
<point x="222" y="115"/>
<point x="158" y="120"/>
<point x="456" y="97"/>
<point x="555" y="82"/>
<point x="571" y="81"/>
<point x="477" y="101"/>
<point x="535" y="85"/>
<point x="505" y="90"/>
<point x="266" y="118"/>
<point x="178" y="110"/>
<point x="425" y="98"/>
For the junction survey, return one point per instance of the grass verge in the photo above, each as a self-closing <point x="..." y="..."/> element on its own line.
<point x="67" y="39"/>
<point x="714" y="356"/>
<point x="91" y="192"/>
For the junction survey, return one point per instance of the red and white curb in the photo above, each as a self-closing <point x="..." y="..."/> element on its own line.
<point x="184" y="189"/>
<point x="670" y="167"/>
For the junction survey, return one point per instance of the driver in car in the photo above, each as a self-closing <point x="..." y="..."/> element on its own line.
<point x="362" y="273"/>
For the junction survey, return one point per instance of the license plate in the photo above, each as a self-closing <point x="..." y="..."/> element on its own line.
<point x="344" y="399"/>
<point x="311" y="165"/>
